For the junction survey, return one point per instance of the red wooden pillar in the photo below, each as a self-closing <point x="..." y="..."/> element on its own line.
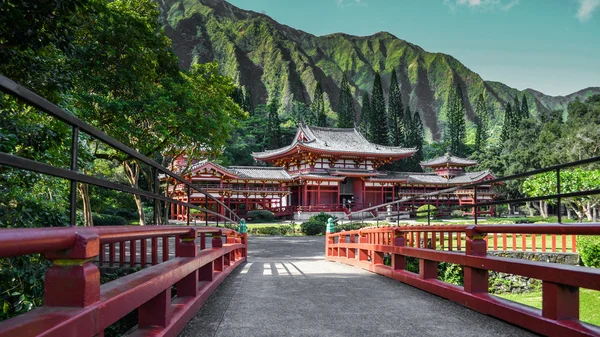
<point x="75" y="268"/>
<point x="398" y="260"/>
<point x="319" y="192"/>
<point x="305" y="199"/>
<point x="559" y="301"/>
<point x="363" y="254"/>
<point x="475" y="280"/>
<point x="157" y="311"/>
<point x="188" y="286"/>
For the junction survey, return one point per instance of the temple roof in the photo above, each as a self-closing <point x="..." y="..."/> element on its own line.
<point x="432" y="178"/>
<point x="448" y="159"/>
<point x="260" y="172"/>
<point x="335" y="140"/>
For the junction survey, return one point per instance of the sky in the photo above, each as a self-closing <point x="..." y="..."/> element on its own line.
<point x="552" y="46"/>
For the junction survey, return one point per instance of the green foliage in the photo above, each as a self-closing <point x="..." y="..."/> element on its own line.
<point x="345" y="105"/>
<point x="322" y="217"/>
<point x="108" y="220"/>
<point x="260" y="216"/>
<point x="451" y="273"/>
<point x="427" y="209"/>
<point x="482" y="122"/>
<point x="122" y="212"/>
<point x="21" y="284"/>
<point x="272" y="230"/>
<point x="365" y="115"/>
<point x="395" y="113"/>
<point x="414" y="138"/>
<point x="378" y="121"/>
<point x="455" y="131"/>
<point x="273" y="129"/>
<point x="313" y="227"/>
<point x="318" y="107"/>
<point x="589" y="250"/>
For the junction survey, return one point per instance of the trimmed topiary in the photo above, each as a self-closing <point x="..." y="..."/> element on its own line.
<point x="422" y="211"/>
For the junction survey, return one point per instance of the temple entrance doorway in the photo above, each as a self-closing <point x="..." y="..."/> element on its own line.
<point x="347" y="192"/>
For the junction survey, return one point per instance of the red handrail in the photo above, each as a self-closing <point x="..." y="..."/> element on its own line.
<point x="366" y="248"/>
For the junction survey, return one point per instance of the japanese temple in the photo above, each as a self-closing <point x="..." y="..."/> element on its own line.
<point x="331" y="170"/>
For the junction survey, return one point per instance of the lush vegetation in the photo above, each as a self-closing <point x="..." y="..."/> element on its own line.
<point x="316" y="225"/>
<point x="109" y="63"/>
<point x="589" y="250"/>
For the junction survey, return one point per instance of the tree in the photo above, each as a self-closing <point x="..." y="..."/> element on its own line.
<point x="525" y="113"/>
<point x="517" y="111"/>
<point x="238" y="96"/>
<point x="248" y="106"/>
<point x="318" y="106"/>
<point x="455" y="132"/>
<point x="378" y="130"/>
<point x="572" y="180"/>
<point x="273" y="130"/>
<point x="365" y="115"/>
<point x="345" y="105"/>
<point x="508" y="122"/>
<point x="414" y="138"/>
<point x="396" y="113"/>
<point x="482" y="122"/>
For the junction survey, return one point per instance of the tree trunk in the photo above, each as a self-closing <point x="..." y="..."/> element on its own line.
<point x="595" y="214"/>
<point x="132" y="171"/>
<point x="530" y="208"/>
<point x="569" y="215"/>
<point x="544" y="209"/>
<point x="88" y="220"/>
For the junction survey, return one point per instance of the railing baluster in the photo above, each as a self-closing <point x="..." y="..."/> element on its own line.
<point x="165" y="250"/>
<point x="143" y="253"/>
<point x="101" y="257"/>
<point x="564" y="243"/>
<point x="132" y="253"/>
<point x="111" y="254"/>
<point x="154" y="251"/>
<point x="121" y="253"/>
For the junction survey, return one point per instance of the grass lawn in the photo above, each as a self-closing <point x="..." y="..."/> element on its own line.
<point x="589" y="303"/>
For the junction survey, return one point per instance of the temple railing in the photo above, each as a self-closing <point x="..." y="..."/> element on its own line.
<point x="369" y="249"/>
<point x="75" y="303"/>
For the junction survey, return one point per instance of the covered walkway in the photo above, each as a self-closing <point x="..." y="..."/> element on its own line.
<point x="288" y="289"/>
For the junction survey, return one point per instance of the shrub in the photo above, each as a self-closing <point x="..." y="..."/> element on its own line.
<point x="457" y="213"/>
<point x="351" y="226"/>
<point x="321" y="218"/>
<point x="589" y="250"/>
<point x="122" y="212"/>
<point x="313" y="227"/>
<point x="272" y="230"/>
<point x="261" y="215"/>
<point x="422" y="211"/>
<point x="108" y="220"/>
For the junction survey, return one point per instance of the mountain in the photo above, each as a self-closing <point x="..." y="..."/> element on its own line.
<point x="280" y="62"/>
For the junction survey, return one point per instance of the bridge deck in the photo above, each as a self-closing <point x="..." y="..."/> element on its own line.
<point x="288" y="289"/>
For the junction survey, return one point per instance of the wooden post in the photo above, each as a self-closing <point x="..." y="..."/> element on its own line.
<point x="398" y="260"/>
<point x="188" y="286"/>
<point x="74" y="280"/>
<point x="475" y="280"/>
<point x="560" y="302"/>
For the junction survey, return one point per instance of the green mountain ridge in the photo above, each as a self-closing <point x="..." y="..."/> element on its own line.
<point x="279" y="62"/>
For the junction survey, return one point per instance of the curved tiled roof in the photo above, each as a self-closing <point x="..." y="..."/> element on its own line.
<point x="448" y="159"/>
<point x="336" y="140"/>
<point x="260" y="172"/>
<point x="469" y="177"/>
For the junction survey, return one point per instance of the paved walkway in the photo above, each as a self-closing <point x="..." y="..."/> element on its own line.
<point x="288" y="289"/>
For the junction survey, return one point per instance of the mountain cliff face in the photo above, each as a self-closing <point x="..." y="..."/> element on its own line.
<point x="279" y="62"/>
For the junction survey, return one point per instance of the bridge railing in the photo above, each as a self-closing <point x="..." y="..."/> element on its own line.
<point x="75" y="303"/>
<point x="559" y="316"/>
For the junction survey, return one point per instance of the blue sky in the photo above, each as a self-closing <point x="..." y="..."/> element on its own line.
<point x="549" y="45"/>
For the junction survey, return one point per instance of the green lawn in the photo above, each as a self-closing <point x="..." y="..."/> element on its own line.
<point x="589" y="303"/>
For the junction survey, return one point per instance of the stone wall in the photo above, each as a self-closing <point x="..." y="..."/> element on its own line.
<point x="508" y="283"/>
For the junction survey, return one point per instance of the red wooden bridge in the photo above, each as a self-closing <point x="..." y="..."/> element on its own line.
<point x="289" y="289"/>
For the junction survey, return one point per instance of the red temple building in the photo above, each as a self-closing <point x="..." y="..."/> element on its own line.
<point x="331" y="170"/>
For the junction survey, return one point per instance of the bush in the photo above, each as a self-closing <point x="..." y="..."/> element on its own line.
<point x="456" y="213"/>
<point x="422" y="211"/>
<point x="149" y="217"/>
<point x="122" y="212"/>
<point x="272" y="230"/>
<point x="321" y="218"/>
<point x="261" y="215"/>
<point x="108" y="220"/>
<point x="313" y="227"/>
<point x="589" y="250"/>
<point x="351" y="226"/>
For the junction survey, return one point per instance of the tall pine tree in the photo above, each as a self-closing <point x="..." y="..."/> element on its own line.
<point x="248" y="106"/>
<point x="415" y="137"/>
<point x="378" y="131"/>
<point x="273" y="131"/>
<point x="517" y="111"/>
<point x="525" y="107"/>
<point x="482" y="121"/>
<point x="455" y="132"/>
<point x="507" y="126"/>
<point x="318" y="106"/>
<point x="395" y="113"/>
<point x="365" y="115"/>
<point x="345" y="106"/>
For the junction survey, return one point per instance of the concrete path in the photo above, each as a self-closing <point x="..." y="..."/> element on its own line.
<point x="288" y="289"/>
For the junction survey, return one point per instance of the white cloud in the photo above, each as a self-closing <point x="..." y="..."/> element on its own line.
<point x="344" y="3"/>
<point x="484" y="5"/>
<point x="586" y="8"/>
